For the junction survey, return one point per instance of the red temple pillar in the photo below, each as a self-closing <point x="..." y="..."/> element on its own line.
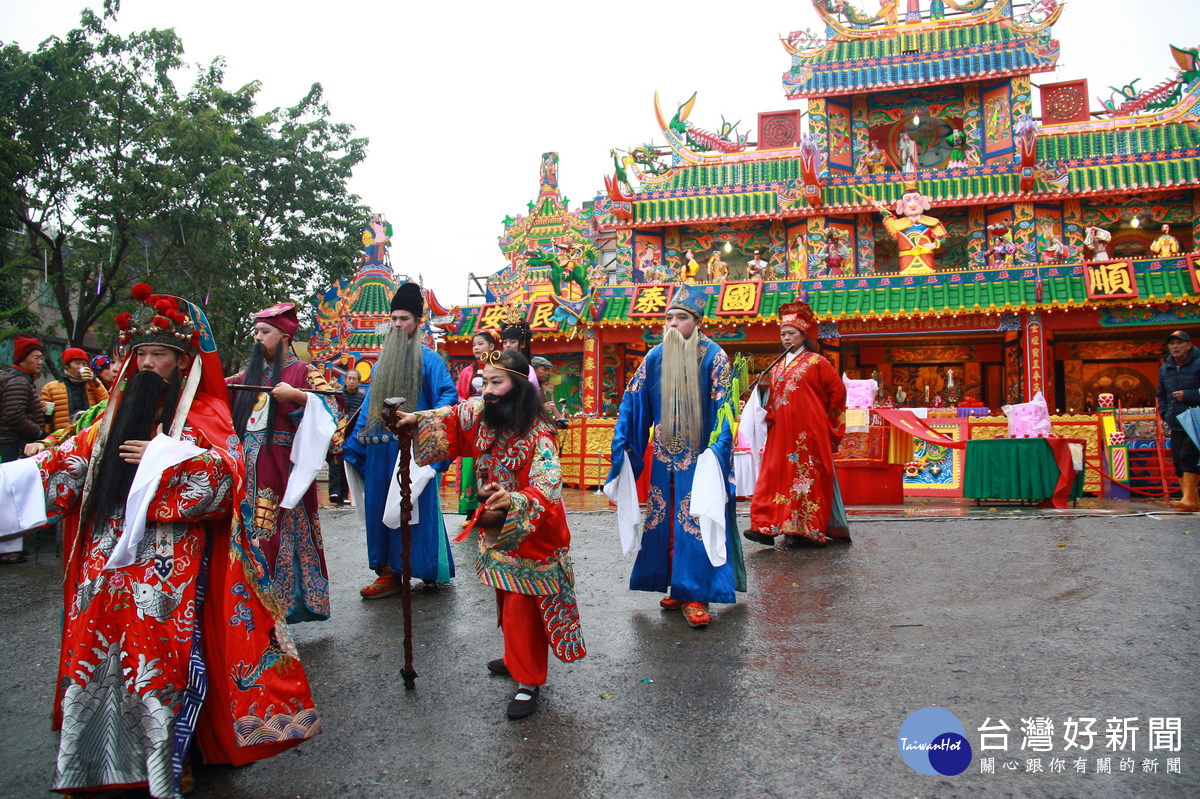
<point x="1039" y="361"/>
<point x="593" y="385"/>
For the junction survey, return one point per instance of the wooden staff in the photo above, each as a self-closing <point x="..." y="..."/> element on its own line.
<point x="391" y="408"/>
<point x="245" y="387"/>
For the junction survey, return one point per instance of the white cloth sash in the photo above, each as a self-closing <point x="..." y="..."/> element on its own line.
<point x="419" y="478"/>
<point x="309" y="448"/>
<point x="160" y="454"/>
<point x="708" y="505"/>
<point x="22" y="500"/>
<point x="623" y="493"/>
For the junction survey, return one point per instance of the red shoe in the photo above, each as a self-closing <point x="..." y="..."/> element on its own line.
<point x="666" y="603"/>
<point x="696" y="614"/>
<point x="387" y="584"/>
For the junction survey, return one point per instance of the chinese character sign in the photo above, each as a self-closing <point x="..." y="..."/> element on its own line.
<point x="740" y="299"/>
<point x="1110" y="280"/>
<point x="650" y="300"/>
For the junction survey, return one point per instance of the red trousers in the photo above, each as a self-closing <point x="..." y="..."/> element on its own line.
<point x="526" y="645"/>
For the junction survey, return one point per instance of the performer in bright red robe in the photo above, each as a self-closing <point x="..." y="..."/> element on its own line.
<point x="168" y="637"/>
<point x="796" y="494"/>
<point x="525" y="554"/>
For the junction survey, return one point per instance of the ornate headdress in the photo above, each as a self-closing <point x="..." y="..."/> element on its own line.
<point x="799" y="316"/>
<point x="160" y="319"/>
<point x="281" y="316"/>
<point x="690" y="299"/>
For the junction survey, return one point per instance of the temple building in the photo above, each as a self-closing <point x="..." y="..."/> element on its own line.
<point x="964" y="245"/>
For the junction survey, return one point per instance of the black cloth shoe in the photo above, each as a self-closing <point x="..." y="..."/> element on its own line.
<point x="498" y="668"/>
<point x="523" y="703"/>
<point x="759" y="538"/>
<point x="800" y="542"/>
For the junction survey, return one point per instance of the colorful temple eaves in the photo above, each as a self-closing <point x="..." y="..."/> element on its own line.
<point x="993" y="291"/>
<point x="919" y="59"/>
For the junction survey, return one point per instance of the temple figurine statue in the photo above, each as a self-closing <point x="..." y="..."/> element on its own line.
<point x="917" y="235"/>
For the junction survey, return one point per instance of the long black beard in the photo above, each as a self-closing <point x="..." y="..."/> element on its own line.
<point x="517" y="411"/>
<point x="147" y="401"/>
<point x="256" y="373"/>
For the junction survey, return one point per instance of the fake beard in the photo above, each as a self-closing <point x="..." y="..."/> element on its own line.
<point x="498" y="411"/>
<point x="682" y="414"/>
<point x="147" y="401"/>
<point x="398" y="373"/>
<point x="252" y="375"/>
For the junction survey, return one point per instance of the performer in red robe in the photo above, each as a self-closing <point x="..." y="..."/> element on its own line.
<point x="167" y="635"/>
<point x="796" y="494"/>
<point x="523" y="539"/>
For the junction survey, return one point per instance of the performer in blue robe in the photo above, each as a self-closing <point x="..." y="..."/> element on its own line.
<point x="673" y="554"/>
<point x="406" y="369"/>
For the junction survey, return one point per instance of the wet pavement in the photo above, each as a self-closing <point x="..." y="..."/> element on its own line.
<point x="798" y="691"/>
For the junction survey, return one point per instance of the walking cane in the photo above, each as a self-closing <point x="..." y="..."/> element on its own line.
<point x="391" y="407"/>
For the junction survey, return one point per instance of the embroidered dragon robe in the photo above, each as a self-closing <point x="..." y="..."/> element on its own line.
<point x="183" y="643"/>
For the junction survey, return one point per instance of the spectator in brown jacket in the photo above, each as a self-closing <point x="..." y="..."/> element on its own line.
<point x="79" y="390"/>
<point x="20" y="416"/>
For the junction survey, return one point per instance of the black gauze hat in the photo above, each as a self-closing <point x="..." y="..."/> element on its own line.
<point x="409" y="298"/>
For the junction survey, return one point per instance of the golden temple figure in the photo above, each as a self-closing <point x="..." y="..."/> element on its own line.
<point x="690" y="269"/>
<point x="1165" y="245"/>
<point x="718" y="270"/>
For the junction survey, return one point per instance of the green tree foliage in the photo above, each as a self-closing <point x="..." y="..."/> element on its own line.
<point x="113" y="177"/>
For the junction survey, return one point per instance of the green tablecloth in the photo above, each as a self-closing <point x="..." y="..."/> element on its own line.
<point x="1013" y="468"/>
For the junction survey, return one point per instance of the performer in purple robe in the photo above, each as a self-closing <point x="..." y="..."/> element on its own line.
<point x="280" y="508"/>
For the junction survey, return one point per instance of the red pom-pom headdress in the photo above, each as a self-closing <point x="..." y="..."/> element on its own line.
<point x="158" y="320"/>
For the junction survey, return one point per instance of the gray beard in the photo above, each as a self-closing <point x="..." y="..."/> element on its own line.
<point x="398" y="373"/>
<point x="682" y="412"/>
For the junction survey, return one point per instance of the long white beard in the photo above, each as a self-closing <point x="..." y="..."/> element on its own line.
<point x="682" y="423"/>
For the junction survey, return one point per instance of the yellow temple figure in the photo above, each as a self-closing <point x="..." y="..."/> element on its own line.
<point x="1165" y="245"/>
<point x="917" y="236"/>
<point x="875" y="162"/>
<point x="888" y="11"/>
<point x="718" y="270"/>
<point x="690" y="268"/>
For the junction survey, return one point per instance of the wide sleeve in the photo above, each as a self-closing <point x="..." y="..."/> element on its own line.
<point x="63" y="471"/>
<point x="634" y="419"/>
<point x="530" y="503"/>
<point x="443" y="434"/>
<point x="722" y="406"/>
<point x="198" y="489"/>
<point x="441" y="389"/>
<point x="835" y="402"/>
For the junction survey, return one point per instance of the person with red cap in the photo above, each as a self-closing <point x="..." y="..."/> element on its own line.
<point x="20" y="416"/>
<point x="285" y="433"/>
<point x="168" y="637"/>
<point x="65" y="400"/>
<point x="796" y="493"/>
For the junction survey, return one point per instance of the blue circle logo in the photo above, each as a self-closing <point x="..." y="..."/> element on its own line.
<point x="933" y="741"/>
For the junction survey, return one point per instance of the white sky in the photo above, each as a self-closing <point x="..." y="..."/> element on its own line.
<point x="459" y="100"/>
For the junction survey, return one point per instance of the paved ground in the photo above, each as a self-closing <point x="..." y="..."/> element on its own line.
<point x="799" y="691"/>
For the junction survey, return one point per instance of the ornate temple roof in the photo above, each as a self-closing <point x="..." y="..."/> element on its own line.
<point x="918" y="60"/>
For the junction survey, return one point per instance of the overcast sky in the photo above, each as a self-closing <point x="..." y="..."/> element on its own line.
<point x="459" y="100"/>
